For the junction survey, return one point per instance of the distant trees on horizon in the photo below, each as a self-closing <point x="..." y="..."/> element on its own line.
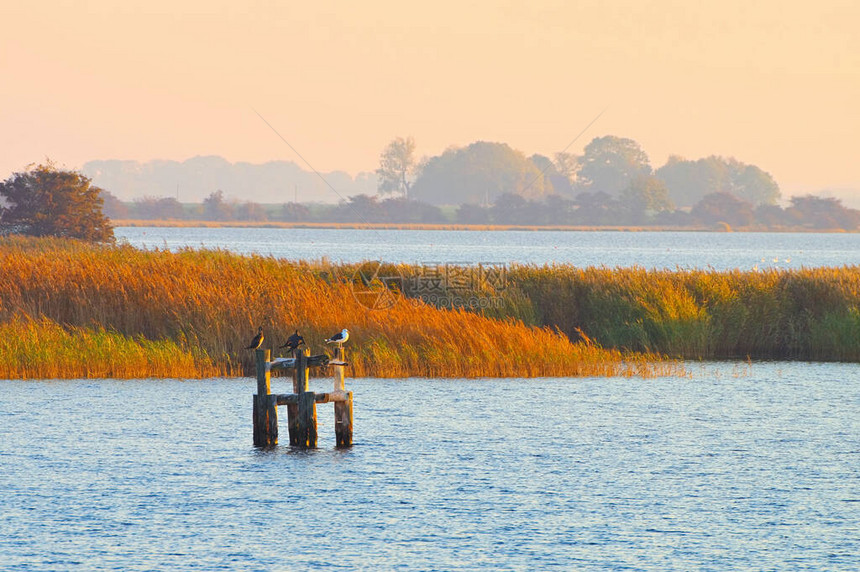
<point x="643" y="204"/>
<point x="611" y="184"/>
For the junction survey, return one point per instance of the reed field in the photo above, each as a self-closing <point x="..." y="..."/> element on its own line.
<point x="805" y="314"/>
<point x="800" y="314"/>
<point x="70" y="309"/>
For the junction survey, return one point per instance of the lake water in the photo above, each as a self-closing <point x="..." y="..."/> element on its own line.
<point x="734" y="468"/>
<point x="648" y="249"/>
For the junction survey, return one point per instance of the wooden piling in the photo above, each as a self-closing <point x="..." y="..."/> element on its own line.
<point x="307" y="420"/>
<point x="343" y="421"/>
<point x="299" y="431"/>
<point x="265" y="405"/>
<point x="338" y="369"/>
<point x="301" y="404"/>
<point x="301" y="379"/>
<point x="342" y="409"/>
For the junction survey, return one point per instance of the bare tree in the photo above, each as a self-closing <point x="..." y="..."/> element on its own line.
<point x="397" y="167"/>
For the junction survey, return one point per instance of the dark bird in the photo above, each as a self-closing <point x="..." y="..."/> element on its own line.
<point x="339" y="338"/>
<point x="294" y="341"/>
<point x="257" y="341"/>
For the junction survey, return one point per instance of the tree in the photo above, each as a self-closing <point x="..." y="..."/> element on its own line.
<point x="216" y="208"/>
<point x="610" y="163"/>
<point x="295" y="212"/>
<point x="596" y="209"/>
<point x="478" y="174"/>
<point x="552" y="177"/>
<point x="46" y="201"/>
<point x="770" y="215"/>
<point x="558" y="209"/>
<point x="751" y="183"/>
<point x="822" y="213"/>
<point x="468" y="213"/>
<point x="359" y="208"/>
<point x="152" y="208"/>
<point x="112" y="207"/>
<point x="645" y="196"/>
<point x="511" y="209"/>
<point x="723" y="207"/>
<point x="567" y="165"/>
<point x="689" y="181"/>
<point x="397" y="167"/>
<point x="249" y="211"/>
<point x="400" y="209"/>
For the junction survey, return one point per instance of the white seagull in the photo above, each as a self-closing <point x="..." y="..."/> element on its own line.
<point x="339" y="338"/>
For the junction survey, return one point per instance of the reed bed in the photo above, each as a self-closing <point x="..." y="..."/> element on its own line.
<point x="190" y="314"/>
<point x="42" y="349"/>
<point x="803" y="314"/>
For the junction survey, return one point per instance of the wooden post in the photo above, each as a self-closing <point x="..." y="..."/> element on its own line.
<point x="265" y="405"/>
<point x="300" y="384"/>
<point x="293" y="408"/>
<point x="342" y="409"/>
<point x="343" y="421"/>
<point x="302" y="415"/>
<point x="307" y="420"/>
<point x="338" y="370"/>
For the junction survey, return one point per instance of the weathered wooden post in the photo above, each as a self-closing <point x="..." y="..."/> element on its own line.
<point x="298" y="387"/>
<point x="307" y="407"/>
<point x="301" y="404"/>
<point x="265" y="405"/>
<point x="342" y="409"/>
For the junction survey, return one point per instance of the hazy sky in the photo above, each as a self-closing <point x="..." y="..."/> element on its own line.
<point x="774" y="83"/>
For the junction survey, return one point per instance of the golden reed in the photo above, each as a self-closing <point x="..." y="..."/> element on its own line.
<point x="85" y="310"/>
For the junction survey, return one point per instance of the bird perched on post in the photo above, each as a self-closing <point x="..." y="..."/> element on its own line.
<point x="257" y="341"/>
<point x="294" y="341"/>
<point x="339" y="338"/>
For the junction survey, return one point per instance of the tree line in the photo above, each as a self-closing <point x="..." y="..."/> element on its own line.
<point x="481" y="172"/>
<point x="597" y="208"/>
<point x="611" y="184"/>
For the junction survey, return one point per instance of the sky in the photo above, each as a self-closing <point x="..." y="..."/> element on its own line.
<point x="772" y="83"/>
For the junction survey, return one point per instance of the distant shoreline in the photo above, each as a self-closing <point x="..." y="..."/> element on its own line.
<point x="452" y="226"/>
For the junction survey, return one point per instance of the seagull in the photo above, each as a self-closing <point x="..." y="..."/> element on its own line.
<point x="293" y="341"/>
<point x="257" y="341"/>
<point x="339" y="338"/>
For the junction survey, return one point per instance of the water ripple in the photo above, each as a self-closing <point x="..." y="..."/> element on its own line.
<point x="710" y="473"/>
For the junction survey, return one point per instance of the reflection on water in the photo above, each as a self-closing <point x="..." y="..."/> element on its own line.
<point x="648" y="249"/>
<point x="735" y="468"/>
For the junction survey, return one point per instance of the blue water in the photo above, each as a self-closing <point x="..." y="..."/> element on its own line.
<point x="671" y="250"/>
<point x="735" y="468"/>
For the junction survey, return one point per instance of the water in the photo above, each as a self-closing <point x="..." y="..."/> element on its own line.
<point x="671" y="250"/>
<point x="735" y="468"/>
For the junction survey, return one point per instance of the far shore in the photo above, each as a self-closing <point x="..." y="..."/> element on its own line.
<point x="451" y="226"/>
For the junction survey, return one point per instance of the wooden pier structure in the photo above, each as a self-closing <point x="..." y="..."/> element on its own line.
<point x="301" y="404"/>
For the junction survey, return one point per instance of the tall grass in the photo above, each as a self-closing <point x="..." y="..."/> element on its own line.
<point x="810" y="313"/>
<point x="192" y="313"/>
<point x="44" y="349"/>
